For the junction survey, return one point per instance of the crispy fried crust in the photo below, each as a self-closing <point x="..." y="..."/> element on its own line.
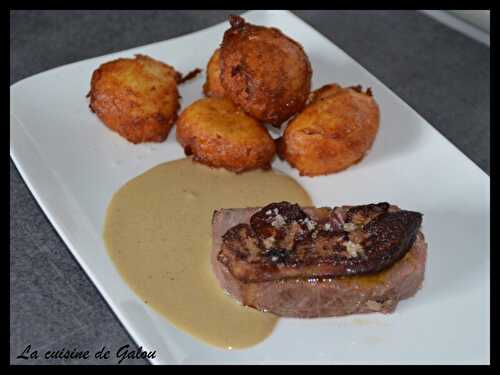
<point x="217" y="133"/>
<point x="137" y="98"/>
<point x="323" y="93"/>
<point x="213" y="86"/>
<point x="264" y="72"/>
<point x="191" y="75"/>
<point x="334" y="131"/>
<point x="283" y="242"/>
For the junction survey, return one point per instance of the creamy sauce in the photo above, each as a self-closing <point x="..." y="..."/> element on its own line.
<point x="158" y="233"/>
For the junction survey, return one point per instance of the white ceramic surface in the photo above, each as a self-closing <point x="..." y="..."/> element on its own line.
<point x="73" y="164"/>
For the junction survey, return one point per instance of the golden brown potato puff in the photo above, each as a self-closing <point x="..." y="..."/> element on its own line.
<point x="219" y="134"/>
<point x="263" y="71"/>
<point x="137" y="98"/>
<point x="334" y="131"/>
<point x="213" y="86"/>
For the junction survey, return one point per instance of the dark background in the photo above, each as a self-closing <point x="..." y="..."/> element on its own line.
<point x="442" y="74"/>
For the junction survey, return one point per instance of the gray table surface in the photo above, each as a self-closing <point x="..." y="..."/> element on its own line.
<point x="442" y="74"/>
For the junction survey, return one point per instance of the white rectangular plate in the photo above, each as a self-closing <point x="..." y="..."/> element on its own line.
<point x="73" y="164"/>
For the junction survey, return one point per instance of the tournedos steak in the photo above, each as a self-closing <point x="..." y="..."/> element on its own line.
<point x="315" y="262"/>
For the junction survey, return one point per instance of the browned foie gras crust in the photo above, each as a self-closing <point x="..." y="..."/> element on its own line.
<point x="282" y="241"/>
<point x="310" y="293"/>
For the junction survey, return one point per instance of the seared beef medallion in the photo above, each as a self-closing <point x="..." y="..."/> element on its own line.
<point x="309" y="262"/>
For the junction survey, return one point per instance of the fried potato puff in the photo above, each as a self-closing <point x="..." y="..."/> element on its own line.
<point x="137" y="98"/>
<point x="219" y="134"/>
<point x="263" y="71"/>
<point x="334" y="131"/>
<point x="213" y="86"/>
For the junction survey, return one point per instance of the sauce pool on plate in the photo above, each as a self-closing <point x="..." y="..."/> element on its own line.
<point x="158" y="234"/>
